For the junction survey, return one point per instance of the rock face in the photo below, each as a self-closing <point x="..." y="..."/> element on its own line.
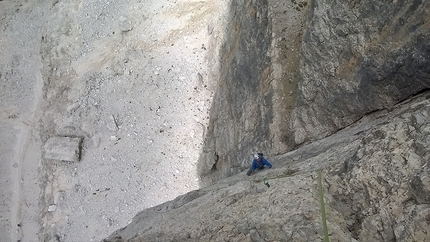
<point x="132" y="79"/>
<point x="172" y="96"/>
<point x="376" y="181"/>
<point x="326" y="72"/>
<point x="357" y="57"/>
<point x="242" y="102"/>
<point x="358" y="60"/>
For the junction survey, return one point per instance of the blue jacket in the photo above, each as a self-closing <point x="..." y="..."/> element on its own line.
<point x="260" y="164"/>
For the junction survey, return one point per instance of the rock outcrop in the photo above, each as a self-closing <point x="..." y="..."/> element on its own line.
<point x="358" y="57"/>
<point x="352" y="118"/>
<point x="241" y="106"/>
<point x="130" y="79"/>
<point x="159" y="98"/>
<point x="376" y="181"/>
<point x="335" y="62"/>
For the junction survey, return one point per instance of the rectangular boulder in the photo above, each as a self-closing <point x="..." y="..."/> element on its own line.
<point x="63" y="148"/>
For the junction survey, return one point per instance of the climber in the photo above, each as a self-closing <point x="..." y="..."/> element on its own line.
<point x="258" y="163"/>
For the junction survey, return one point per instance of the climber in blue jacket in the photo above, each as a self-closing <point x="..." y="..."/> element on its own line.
<point x="258" y="163"/>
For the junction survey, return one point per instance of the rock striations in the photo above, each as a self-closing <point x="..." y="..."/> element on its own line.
<point x="241" y="109"/>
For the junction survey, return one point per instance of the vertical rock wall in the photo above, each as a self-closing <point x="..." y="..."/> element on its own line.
<point x="288" y="26"/>
<point x="131" y="80"/>
<point x="103" y="106"/>
<point x="331" y="62"/>
<point x="242" y="105"/>
<point x="357" y="57"/>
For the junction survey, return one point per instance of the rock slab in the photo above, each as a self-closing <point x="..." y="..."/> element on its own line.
<point x="375" y="184"/>
<point x="63" y="148"/>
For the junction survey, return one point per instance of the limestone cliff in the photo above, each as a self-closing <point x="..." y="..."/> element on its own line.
<point x="354" y="105"/>
<point x="112" y="107"/>
<point x="376" y="184"/>
<point x="103" y="110"/>
<point x="358" y="57"/>
<point x="241" y="106"/>
<point x="330" y="65"/>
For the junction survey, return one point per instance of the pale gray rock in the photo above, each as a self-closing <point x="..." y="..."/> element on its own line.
<point x="346" y="60"/>
<point x="125" y="24"/>
<point x="120" y="75"/>
<point x="375" y="183"/>
<point x="241" y="105"/>
<point x="63" y="148"/>
<point x="358" y="57"/>
<point x="52" y="208"/>
<point x="238" y="76"/>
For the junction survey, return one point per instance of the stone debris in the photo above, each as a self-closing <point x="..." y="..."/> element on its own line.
<point x="112" y="123"/>
<point x="52" y="208"/>
<point x="63" y="148"/>
<point x="125" y="24"/>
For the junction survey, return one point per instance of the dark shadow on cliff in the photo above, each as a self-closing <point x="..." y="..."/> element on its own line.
<point x="241" y="109"/>
<point x="353" y="61"/>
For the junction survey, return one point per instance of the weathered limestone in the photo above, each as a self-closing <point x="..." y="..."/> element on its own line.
<point x="348" y="59"/>
<point x="136" y="79"/>
<point x="358" y="57"/>
<point x="375" y="181"/>
<point x="241" y="106"/>
<point x="63" y="148"/>
<point x="132" y="78"/>
<point x="354" y="60"/>
<point x="289" y="22"/>
<point x="20" y="92"/>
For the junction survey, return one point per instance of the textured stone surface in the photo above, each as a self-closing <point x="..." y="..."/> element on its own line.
<point x="375" y="181"/>
<point x="357" y="57"/>
<point x="137" y="79"/>
<point x="132" y="78"/>
<point x="242" y="102"/>
<point x="20" y="92"/>
<point x="331" y="62"/>
<point x="63" y="148"/>
<point x="288" y="26"/>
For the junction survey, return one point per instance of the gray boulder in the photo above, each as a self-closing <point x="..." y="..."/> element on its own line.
<point x="63" y="148"/>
